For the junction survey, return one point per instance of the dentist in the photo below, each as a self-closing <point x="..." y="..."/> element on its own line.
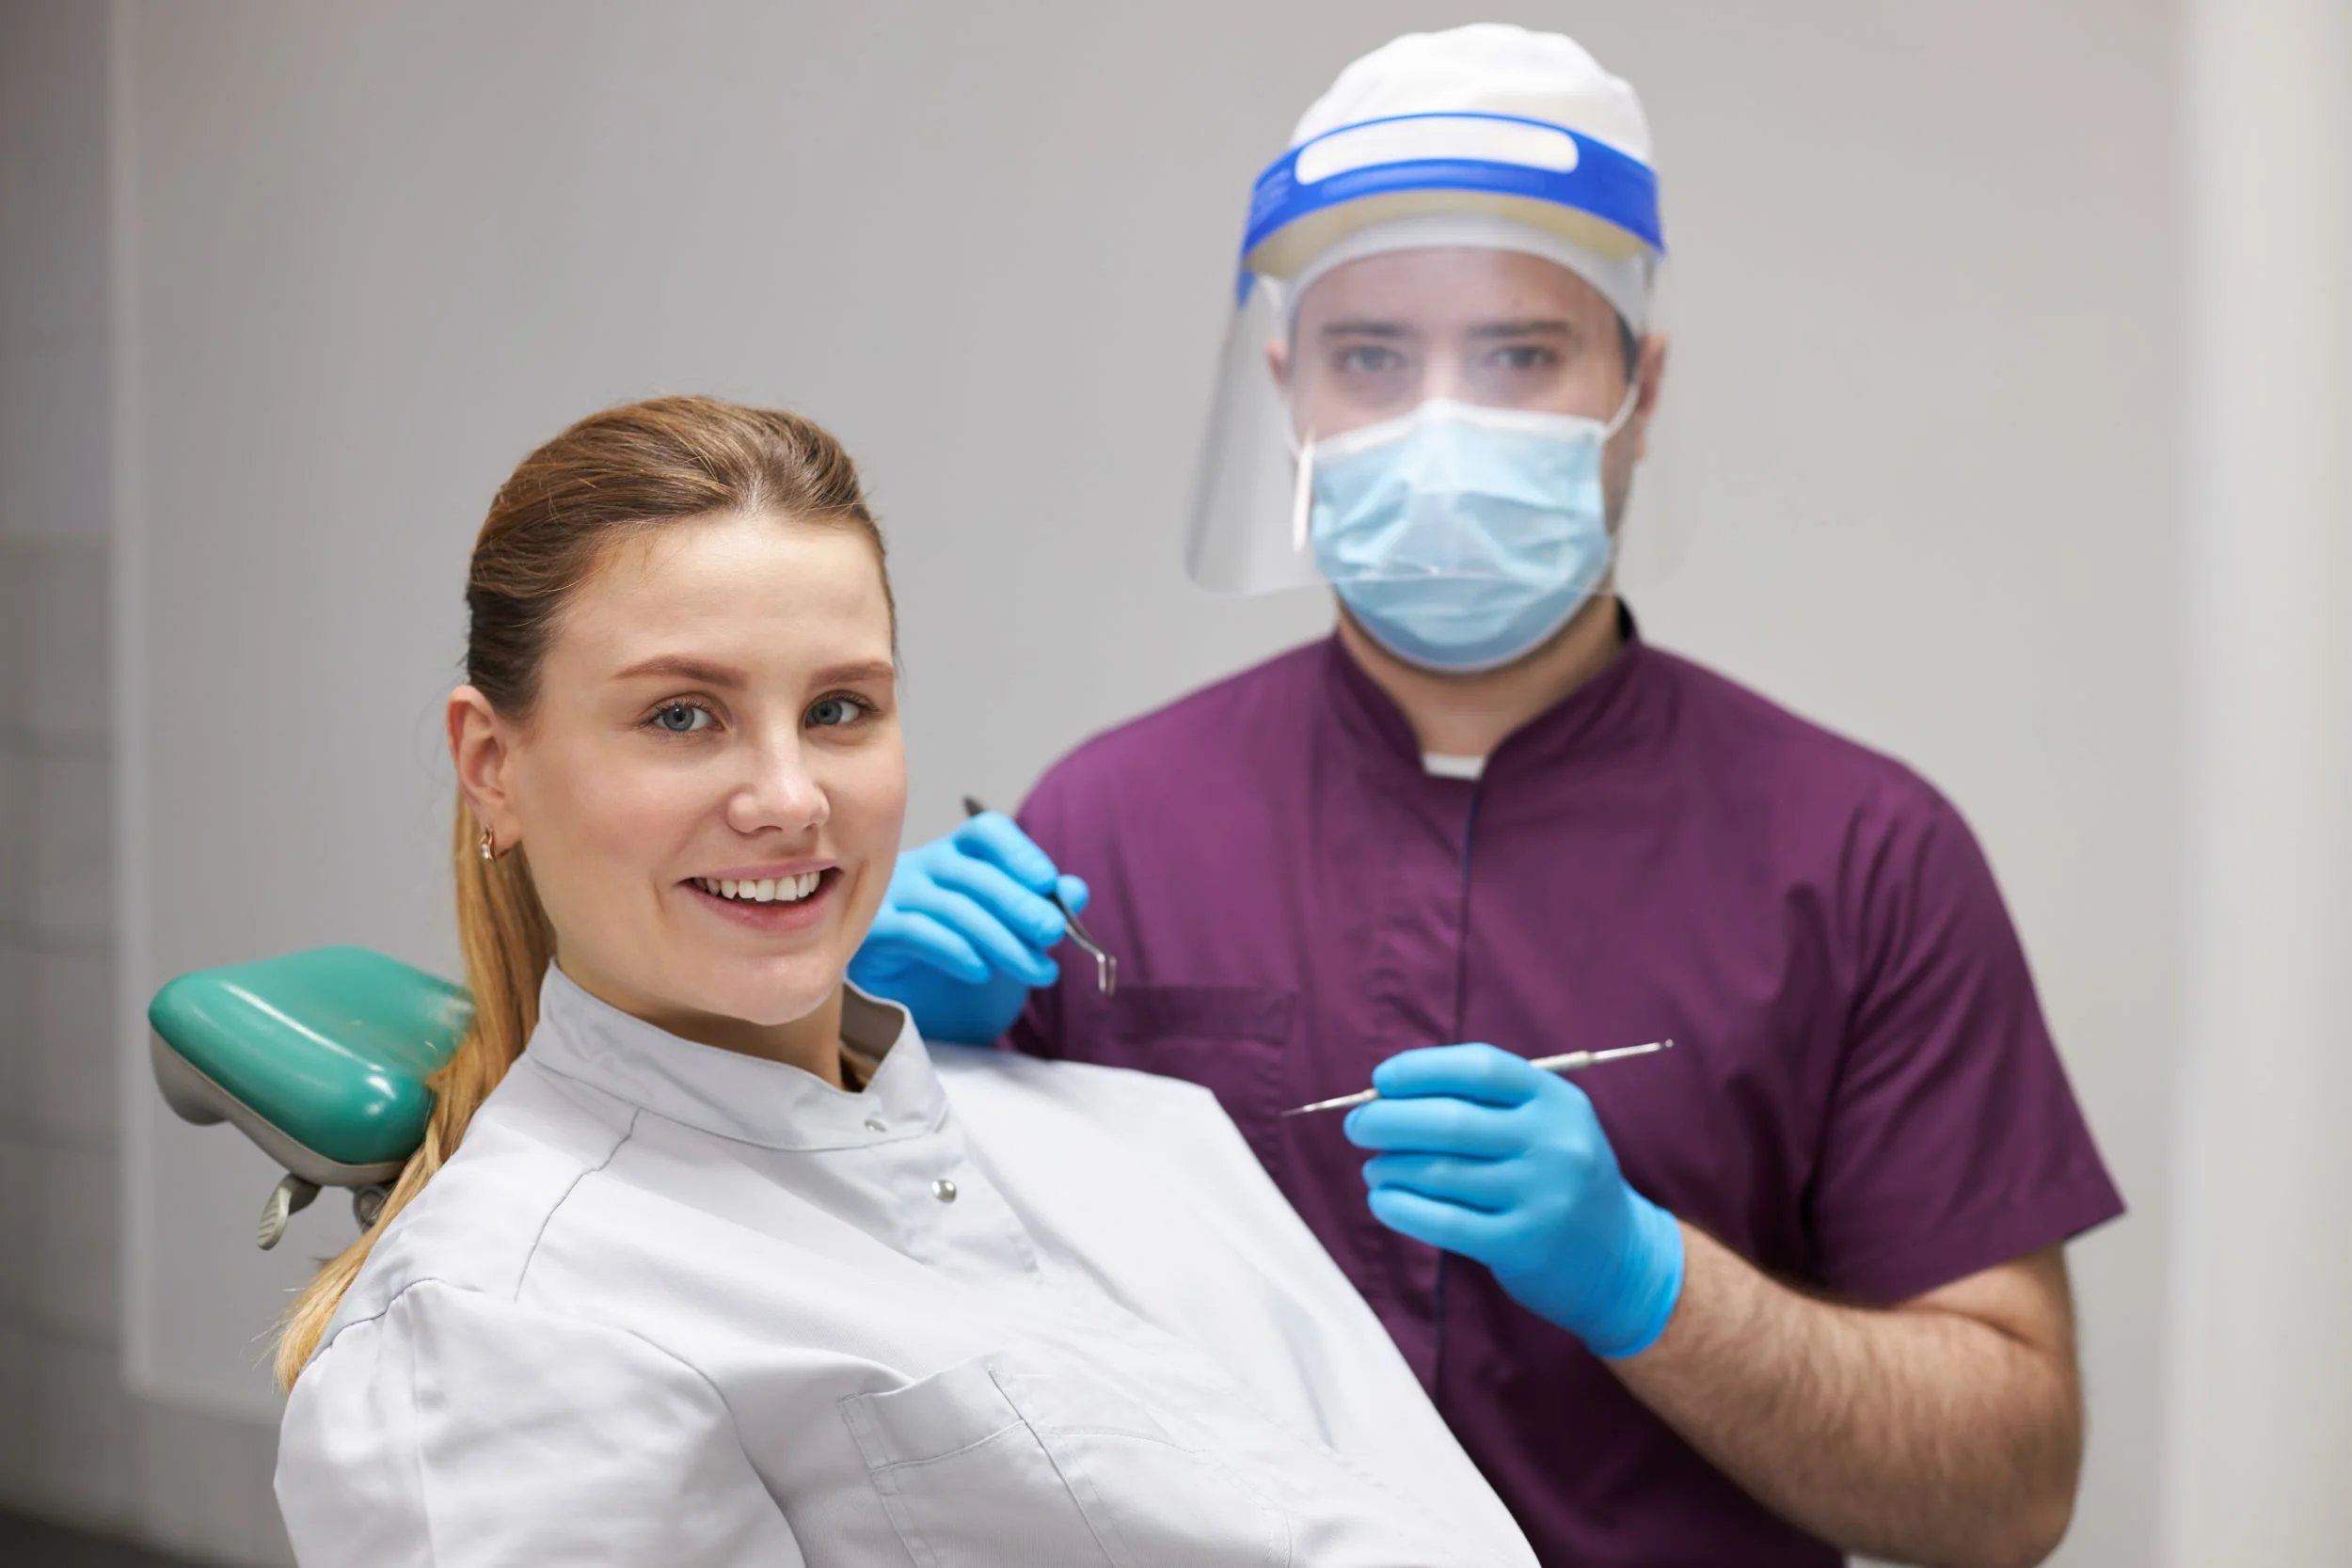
<point x="1796" y="1288"/>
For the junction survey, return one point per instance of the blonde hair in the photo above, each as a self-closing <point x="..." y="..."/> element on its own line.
<point x="623" y="472"/>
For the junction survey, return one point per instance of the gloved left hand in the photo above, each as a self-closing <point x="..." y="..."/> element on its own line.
<point x="1480" y="1153"/>
<point x="959" y="940"/>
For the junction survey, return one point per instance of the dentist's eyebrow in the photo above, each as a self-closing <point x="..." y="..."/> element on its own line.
<point x="1534" y="327"/>
<point x="1365" y="327"/>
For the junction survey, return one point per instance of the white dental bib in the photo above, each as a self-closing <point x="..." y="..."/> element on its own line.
<point x="669" y="1304"/>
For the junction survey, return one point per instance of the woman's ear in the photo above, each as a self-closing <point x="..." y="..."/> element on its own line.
<point x="479" y="745"/>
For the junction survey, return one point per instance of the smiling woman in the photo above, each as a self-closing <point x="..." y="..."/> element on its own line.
<point x="714" y="719"/>
<point x="675" y="558"/>
<point x="707" y="1258"/>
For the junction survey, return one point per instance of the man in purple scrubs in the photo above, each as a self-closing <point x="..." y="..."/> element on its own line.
<point x="1791" y="1289"/>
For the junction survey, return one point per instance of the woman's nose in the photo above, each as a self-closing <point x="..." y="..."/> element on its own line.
<point x="777" y="792"/>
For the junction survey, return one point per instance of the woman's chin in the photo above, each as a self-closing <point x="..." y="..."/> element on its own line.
<point x="687" y="985"/>
<point x="789" y="992"/>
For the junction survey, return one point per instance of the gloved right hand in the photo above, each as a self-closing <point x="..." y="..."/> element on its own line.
<point x="960" y="940"/>
<point x="1480" y="1152"/>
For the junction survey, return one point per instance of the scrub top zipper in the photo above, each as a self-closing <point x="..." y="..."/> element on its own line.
<point x="1461" y="1010"/>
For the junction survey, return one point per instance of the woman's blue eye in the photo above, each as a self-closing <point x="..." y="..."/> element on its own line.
<point x="834" y="712"/>
<point x="682" y="718"/>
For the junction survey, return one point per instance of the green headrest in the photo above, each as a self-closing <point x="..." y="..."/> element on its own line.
<point x="320" y="1057"/>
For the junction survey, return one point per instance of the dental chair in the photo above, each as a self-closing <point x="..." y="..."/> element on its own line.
<point x="319" y="1057"/>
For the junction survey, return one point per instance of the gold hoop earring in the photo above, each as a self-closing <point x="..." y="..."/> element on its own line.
<point x="489" y="852"/>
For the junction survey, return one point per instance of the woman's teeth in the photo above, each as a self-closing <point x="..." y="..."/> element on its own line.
<point x="764" y="890"/>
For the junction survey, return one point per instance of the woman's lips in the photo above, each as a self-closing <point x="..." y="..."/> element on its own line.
<point x="748" y="907"/>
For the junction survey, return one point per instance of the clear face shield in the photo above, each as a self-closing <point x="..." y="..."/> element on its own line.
<point x="1429" y="391"/>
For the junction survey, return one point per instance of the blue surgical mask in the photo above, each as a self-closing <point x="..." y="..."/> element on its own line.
<point x="1462" y="538"/>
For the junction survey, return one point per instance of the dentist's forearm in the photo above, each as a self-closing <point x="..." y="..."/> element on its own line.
<point x="1945" y="1432"/>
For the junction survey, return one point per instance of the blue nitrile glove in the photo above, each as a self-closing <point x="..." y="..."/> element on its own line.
<point x="1483" y="1155"/>
<point x="960" y="940"/>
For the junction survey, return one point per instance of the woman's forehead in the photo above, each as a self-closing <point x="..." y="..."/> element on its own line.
<point x="768" y="593"/>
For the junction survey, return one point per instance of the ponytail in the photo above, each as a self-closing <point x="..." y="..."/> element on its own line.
<point x="508" y="945"/>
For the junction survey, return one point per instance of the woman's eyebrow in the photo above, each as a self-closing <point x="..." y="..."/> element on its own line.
<point x="684" y="667"/>
<point x="850" y="674"/>
<point x="704" y="671"/>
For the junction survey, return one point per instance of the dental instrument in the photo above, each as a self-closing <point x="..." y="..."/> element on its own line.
<point x="1105" y="966"/>
<point x="1574" y="1061"/>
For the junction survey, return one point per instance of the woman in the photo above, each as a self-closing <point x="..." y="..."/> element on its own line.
<point x="706" y="1260"/>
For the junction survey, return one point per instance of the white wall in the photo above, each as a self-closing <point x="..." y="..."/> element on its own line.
<point x="1928" y="328"/>
<point x="2260" y="1415"/>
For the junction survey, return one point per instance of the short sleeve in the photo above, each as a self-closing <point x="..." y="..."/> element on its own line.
<point x="460" y="1431"/>
<point x="1953" y="1141"/>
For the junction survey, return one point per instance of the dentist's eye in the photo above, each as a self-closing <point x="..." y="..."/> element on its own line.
<point x="832" y="713"/>
<point x="682" y="718"/>
<point x="1370" y="359"/>
<point x="1526" y="356"/>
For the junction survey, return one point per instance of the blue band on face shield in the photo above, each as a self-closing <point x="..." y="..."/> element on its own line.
<point x="1608" y="184"/>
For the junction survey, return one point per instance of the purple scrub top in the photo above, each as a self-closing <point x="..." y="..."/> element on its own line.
<point x="1862" y="1099"/>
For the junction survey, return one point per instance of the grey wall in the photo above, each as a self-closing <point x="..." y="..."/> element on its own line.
<point x="75" y="1441"/>
<point x="1925" y="280"/>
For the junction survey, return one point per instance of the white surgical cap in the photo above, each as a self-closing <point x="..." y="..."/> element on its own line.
<point x="1485" y="69"/>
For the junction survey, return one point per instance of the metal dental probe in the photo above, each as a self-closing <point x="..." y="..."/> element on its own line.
<point x="1575" y="1061"/>
<point x="1106" y="967"/>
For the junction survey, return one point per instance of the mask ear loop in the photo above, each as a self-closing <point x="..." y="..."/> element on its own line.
<point x="1624" y="410"/>
<point x="1608" y="433"/>
<point x="1302" y="497"/>
<point x="1284" y="299"/>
